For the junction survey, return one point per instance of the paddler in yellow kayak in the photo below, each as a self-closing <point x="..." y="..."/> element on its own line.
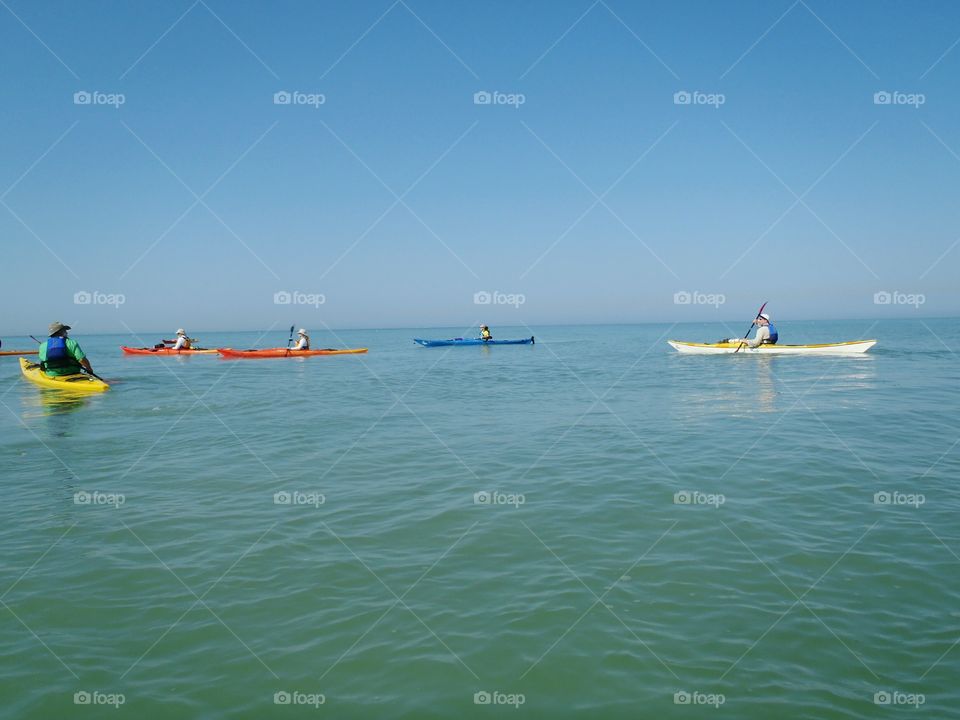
<point x="766" y="333"/>
<point x="61" y="355"/>
<point x="485" y="333"/>
<point x="303" y="340"/>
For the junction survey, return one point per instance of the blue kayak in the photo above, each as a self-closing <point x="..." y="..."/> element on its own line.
<point x="472" y="341"/>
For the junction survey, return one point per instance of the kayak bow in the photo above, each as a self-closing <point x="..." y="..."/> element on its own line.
<point x="729" y="348"/>
<point x="71" y="383"/>
<point x="472" y="341"/>
<point x="284" y="352"/>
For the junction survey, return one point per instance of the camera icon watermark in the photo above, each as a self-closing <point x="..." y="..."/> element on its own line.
<point x="685" y="97"/>
<point x="495" y="497"/>
<point x="899" y="499"/>
<point x="83" y="297"/>
<point x="96" y="697"/>
<point x="99" y="499"/>
<point x="482" y="297"/>
<point x="285" y="297"/>
<point x="683" y="697"/>
<point x="883" y="297"/>
<point x="295" y="697"/>
<point x="483" y="97"/>
<point x="495" y="697"/>
<point x="885" y="97"/>
<point x="295" y="97"/>
<point x="695" y="497"/>
<point x="95" y="97"/>
<point x="684" y="297"/>
<point x="296" y="497"/>
<point x="895" y="697"/>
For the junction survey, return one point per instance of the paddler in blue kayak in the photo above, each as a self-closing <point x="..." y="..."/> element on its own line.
<point x="766" y="333"/>
<point x="485" y="333"/>
<point x="61" y="355"/>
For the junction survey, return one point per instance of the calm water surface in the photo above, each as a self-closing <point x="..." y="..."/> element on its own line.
<point x="652" y="531"/>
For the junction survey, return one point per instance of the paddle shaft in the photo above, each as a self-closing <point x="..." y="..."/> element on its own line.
<point x="82" y="369"/>
<point x="759" y="312"/>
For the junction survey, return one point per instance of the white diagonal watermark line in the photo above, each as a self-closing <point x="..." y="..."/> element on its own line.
<point x="798" y="598"/>
<point x="39" y="639"/>
<point x="939" y="59"/>
<point x="840" y="40"/>
<point x="398" y="199"/>
<point x="359" y="39"/>
<point x="39" y="239"/>
<point x="759" y="39"/>
<point x="199" y="599"/>
<point x="40" y="440"/>
<point x="40" y="40"/>
<point x="37" y="561"/>
<point x="600" y="600"/>
<point x="799" y="199"/>
<point x="199" y="199"/>
<point x="439" y="39"/>
<point x="399" y="598"/>
<point x="599" y="199"/>
<point x="396" y="601"/>
<point x="640" y="40"/>
<point x="157" y="41"/>
<point x="937" y="261"/>
<point x="557" y="41"/>
<point x="37" y="161"/>
<point x="239" y="40"/>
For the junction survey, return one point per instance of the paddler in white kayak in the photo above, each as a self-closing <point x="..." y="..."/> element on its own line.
<point x="303" y="340"/>
<point x="60" y="355"/>
<point x="766" y="333"/>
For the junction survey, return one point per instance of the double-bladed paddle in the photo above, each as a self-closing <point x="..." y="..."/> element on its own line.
<point x="759" y="312"/>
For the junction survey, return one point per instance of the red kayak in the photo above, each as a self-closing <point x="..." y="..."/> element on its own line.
<point x="284" y="352"/>
<point x="165" y="351"/>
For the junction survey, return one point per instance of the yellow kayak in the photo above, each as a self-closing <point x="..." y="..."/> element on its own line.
<point x="71" y="383"/>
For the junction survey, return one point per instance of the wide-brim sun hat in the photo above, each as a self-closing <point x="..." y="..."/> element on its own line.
<point x="56" y="327"/>
<point x="181" y="331"/>
<point x="301" y="331"/>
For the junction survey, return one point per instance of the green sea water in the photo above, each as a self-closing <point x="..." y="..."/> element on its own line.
<point x="593" y="526"/>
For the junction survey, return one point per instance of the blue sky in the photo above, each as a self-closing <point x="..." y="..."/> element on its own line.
<point x="397" y="199"/>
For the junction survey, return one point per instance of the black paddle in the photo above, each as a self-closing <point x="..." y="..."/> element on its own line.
<point x="750" y="328"/>
<point x="290" y="341"/>
<point x="82" y="369"/>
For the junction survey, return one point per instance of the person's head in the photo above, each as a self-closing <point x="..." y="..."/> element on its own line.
<point x="58" y="329"/>
<point x="763" y="319"/>
<point x="302" y="332"/>
<point x="181" y="331"/>
<point x="484" y="327"/>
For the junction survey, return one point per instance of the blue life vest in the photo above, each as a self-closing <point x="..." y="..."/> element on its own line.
<point x="58" y="356"/>
<point x="774" y="336"/>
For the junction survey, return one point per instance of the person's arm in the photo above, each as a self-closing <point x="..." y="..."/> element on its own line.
<point x="762" y="334"/>
<point x="77" y="352"/>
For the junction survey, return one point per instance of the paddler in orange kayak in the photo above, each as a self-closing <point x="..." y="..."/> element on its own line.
<point x="303" y="340"/>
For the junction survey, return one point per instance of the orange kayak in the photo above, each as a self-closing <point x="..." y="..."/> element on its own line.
<point x="165" y="351"/>
<point x="284" y="352"/>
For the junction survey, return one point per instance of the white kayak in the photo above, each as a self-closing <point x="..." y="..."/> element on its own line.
<point x="727" y="348"/>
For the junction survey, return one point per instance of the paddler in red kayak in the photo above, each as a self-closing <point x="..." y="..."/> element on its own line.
<point x="60" y="355"/>
<point x="303" y="340"/>
<point x="182" y="342"/>
<point x="766" y="333"/>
